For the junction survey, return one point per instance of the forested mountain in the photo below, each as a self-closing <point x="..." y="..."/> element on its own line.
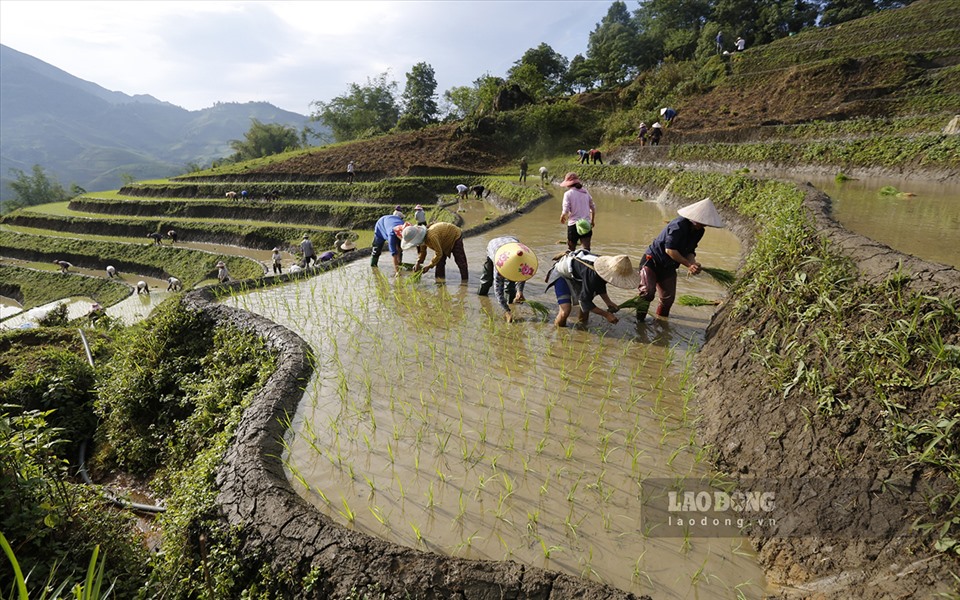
<point x="81" y="133"/>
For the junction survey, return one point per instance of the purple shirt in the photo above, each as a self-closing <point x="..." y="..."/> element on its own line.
<point x="578" y="204"/>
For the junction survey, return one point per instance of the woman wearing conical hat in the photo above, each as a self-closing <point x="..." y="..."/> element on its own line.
<point x="508" y="266"/>
<point x="674" y="247"/>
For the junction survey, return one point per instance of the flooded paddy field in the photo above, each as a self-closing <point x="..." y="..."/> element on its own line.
<point x="433" y="423"/>
<point x="920" y="218"/>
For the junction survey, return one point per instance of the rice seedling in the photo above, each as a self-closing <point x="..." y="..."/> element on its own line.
<point x="541" y="309"/>
<point x="688" y="300"/>
<point x="722" y="276"/>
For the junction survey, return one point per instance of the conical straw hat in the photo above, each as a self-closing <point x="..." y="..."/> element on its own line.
<point x="703" y="212"/>
<point x="516" y="262"/>
<point x="618" y="271"/>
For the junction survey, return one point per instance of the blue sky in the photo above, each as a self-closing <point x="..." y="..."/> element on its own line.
<point x="194" y="54"/>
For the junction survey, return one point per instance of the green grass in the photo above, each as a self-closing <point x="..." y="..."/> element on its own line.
<point x="36" y="288"/>
<point x="260" y="235"/>
<point x="190" y="266"/>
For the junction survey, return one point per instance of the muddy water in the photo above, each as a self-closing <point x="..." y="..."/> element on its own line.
<point x="433" y="423"/>
<point x="923" y="221"/>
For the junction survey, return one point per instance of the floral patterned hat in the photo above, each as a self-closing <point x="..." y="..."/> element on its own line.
<point x="516" y="262"/>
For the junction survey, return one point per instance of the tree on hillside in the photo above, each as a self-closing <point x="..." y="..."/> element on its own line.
<point x="419" y="98"/>
<point x="762" y="21"/>
<point x="670" y="28"/>
<point x="540" y="72"/>
<point x="264" y="139"/>
<point x="580" y="74"/>
<point x="613" y="46"/>
<point x="34" y="189"/>
<point x="364" y="111"/>
<point x="459" y="102"/>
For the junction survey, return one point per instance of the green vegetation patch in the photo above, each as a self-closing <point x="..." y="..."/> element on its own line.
<point x="329" y="214"/>
<point x="252" y="235"/>
<point x="190" y="266"/>
<point x="386" y="191"/>
<point x="929" y="151"/>
<point x="35" y="288"/>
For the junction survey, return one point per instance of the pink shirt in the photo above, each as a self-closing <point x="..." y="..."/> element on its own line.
<point x="577" y="204"/>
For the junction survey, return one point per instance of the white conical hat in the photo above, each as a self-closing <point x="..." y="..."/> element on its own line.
<point x="703" y="212"/>
<point x="412" y="235"/>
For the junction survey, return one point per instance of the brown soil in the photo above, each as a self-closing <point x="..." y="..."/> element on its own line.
<point x="432" y="151"/>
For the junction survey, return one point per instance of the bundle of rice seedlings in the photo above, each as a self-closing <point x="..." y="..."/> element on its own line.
<point x="638" y="302"/>
<point x="687" y="300"/>
<point x="414" y="278"/>
<point x="721" y="276"/>
<point x="539" y="308"/>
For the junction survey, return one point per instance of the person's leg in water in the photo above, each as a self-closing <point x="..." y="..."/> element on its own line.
<point x="377" y="249"/>
<point x="486" y="278"/>
<point x="460" y="256"/>
<point x="562" y="290"/>
<point x="585" y="241"/>
<point x="572" y="237"/>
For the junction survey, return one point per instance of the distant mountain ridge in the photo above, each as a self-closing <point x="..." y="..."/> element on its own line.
<point x="82" y="133"/>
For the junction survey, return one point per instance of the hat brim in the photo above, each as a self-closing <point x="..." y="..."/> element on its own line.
<point x="420" y="233"/>
<point x="604" y="267"/>
<point x="703" y="212"/>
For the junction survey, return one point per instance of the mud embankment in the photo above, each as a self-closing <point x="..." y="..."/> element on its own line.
<point x="255" y="495"/>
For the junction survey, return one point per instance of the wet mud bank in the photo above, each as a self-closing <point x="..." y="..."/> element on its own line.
<point x="256" y="496"/>
<point x="761" y="433"/>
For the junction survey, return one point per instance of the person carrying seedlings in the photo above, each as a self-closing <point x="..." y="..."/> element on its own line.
<point x="581" y="276"/>
<point x="172" y="234"/>
<point x="523" y="169"/>
<point x="444" y="239"/>
<point x="277" y="259"/>
<point x="64" y="265"/>
<point x="309" y="255"/>
<point x="174" y="284"/>
<point x="509" y="265"/>
<point x="223" y="274"/>
<point x="419" y="215"/>
<point x="578" y="213"/>
<point x="385" y="231"/>
<point x="656" y="132"/>
<point x="156" y="237"/>
<point x="674" y="247"/>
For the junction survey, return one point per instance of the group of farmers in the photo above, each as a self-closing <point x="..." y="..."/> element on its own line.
<point x="578" y="275"/>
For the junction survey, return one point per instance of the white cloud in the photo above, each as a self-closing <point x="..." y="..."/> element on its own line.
<point x="288" y="53"/>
